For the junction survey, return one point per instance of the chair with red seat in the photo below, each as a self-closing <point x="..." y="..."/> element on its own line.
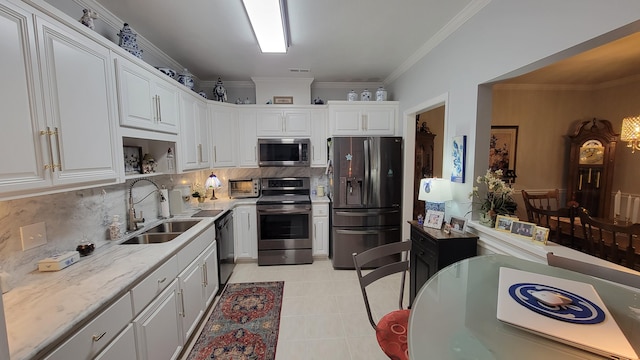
<point x="391" y="330"/>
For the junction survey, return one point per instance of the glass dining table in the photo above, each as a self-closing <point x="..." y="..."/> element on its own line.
<point x="454" y="314"/>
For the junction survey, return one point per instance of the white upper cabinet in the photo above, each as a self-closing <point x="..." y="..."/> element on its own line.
<point x="283" y="122"/>
<point x="224" y="120"/>
<point x="194" y="132"/>
<point x="319" y="137"/>
<point x="362" y="117"/>
<point x="247" y="138"/>
<point x="147" y="101"/>
<point x="62" y="131"/>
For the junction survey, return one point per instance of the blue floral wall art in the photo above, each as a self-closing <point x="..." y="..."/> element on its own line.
<point x="458" y="154"/>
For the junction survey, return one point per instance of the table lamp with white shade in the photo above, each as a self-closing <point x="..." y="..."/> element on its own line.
<point x="212" y="183"/>
<point x="435" y="192"/>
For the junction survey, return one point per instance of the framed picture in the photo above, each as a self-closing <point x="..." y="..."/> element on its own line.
<point x="502" y="149"/>
<point x="132" y="160"/>
<point x="458" y="154"/>
<point x="524" y="229"/>
<point x="457" y="224"/>
<point x="503" y="223"/>
<point x="541" y="235"/>
<point x="434" y="219"/>
<point x="283" y="99"/>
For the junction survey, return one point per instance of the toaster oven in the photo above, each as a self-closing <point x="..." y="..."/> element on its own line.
<point x="244" y="188"/>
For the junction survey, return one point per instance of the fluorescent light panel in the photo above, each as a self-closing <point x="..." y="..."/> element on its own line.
<point x="267" y="21"/>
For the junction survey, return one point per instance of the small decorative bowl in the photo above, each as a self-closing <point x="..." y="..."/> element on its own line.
<point x="85" y="248"/>
<point x="203" y="94"/>
<point x="168" y="71"/>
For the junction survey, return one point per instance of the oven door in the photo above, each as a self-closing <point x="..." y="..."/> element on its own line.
<point x="284" y="227"/>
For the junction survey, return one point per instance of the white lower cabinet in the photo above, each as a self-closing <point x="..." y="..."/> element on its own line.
<point x="245" y="230"/>
<point x="320" y="230"/>
<point x="158" y="329"/>
<point x="210" y="271"/>
<point x="122" y="347"/>
<point x="191" y="282"/>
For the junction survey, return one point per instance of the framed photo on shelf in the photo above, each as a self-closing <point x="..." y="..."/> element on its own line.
<point x="283" y="99"/>
<point x="459" y="153"/>
<point x="132" y="160"/>
<point x="457" y="224"/>
<point x="502" y="149"/>
<point x="434" y="219"/>
<point x="540" y="235"/>
<point x="503" y="223"/>
<point x="522" y="228"/>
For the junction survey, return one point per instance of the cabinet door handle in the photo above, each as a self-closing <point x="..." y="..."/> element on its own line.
<point x="155" y="107"/>
<point x="315" y="232"/>
<point x="199" y="152"/>
<point x="255" y="153"/>
<point x="181" y="293"/>
<point x="159" y="110"/>
<point x="284" y="124"/>
<point x="59" y="164"/>
<point x="47" y="133"/>
<point x="215" y="153"/>
<point x="206" y="276"/>
<point x="248" y="221"/>
<point x="97" y="338"/>
<point x="160" y="281"/>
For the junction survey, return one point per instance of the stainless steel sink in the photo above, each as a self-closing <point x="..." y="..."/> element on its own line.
<point x="151" y="238"/>
<point x="172" y="227"/>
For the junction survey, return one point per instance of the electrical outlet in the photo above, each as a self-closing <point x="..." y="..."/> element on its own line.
<point x="33" y="235"/>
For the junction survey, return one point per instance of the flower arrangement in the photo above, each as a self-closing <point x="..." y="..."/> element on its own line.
<point x="498" y="200"/>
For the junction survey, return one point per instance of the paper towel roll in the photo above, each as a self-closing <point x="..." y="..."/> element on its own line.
<point x="164" y="204"/>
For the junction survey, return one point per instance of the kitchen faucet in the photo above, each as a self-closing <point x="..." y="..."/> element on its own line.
<point x="133" y="221"/>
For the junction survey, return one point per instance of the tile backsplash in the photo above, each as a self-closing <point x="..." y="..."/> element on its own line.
<point x="84" y="215"/>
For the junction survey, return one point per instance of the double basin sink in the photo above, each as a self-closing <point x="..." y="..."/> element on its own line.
<point x="162" y="233"/>
<point x="168" y="230"/>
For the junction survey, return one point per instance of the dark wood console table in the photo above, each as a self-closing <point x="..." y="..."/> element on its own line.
<point x="432" y="250"/>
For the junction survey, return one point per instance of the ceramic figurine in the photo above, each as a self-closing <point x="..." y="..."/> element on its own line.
<point x="318" y="101"/>
<point x="185" y="78"/>
<point x="203" y="94"/>
<point x="219" y="92"/>
<point x="381" y="94"/>
<point x="365" y="95"/>
<point x="247" y="101"/>
<point x="87" y="18"/>
<point x="352" y="96"/>
<point x="239" y="101"/>
<point x="128" y="41"/>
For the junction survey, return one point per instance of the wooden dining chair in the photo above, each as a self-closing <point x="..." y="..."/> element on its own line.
<point x="542" y="210"/>
<point x="548" y="200"/>
<point x="613" y="242"/>
<point x="606" y="273"/>
<point x="391" y="329"/>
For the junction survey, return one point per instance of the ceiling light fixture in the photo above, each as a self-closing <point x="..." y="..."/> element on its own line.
<point x="631" y="132"/>
<point x="270" y="24"/>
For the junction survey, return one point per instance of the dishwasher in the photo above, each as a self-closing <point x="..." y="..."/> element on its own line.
<point x="224" y="239"/>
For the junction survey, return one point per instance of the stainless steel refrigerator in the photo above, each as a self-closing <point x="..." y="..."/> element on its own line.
<point x="366" y="196"/>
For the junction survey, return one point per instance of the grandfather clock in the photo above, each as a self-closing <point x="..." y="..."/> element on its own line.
<point x="591" y="162"/>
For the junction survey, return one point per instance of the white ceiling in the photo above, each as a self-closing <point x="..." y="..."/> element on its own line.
<point x="336" y="40"/>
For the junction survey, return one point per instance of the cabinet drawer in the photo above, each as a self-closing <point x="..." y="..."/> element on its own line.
<point x="152" y="285"/>
<point x="88" y="341"/>
<point x="320" y="210"/>
<point x="196" y="247"/>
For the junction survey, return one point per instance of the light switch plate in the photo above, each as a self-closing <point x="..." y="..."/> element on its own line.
<point x="33" y="235"/>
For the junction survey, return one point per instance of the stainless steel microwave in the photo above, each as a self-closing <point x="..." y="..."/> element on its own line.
<point x="284" y="152"/>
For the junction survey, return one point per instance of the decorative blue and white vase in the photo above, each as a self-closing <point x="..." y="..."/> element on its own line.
<point x="352" y="96"/>
<point x="128" y="41"/>
<point x="186" y="79"/>
<point x="381" y="94"/>
<point x="203" y="94"/>
<point x="365" y="95"/>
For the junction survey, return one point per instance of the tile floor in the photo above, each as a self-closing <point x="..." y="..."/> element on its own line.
<point x="323" y="314"/>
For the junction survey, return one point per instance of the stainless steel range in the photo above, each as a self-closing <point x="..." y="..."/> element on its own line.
<point x="284" y="222"/>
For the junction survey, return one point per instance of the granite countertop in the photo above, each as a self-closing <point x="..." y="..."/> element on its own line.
<point x="48" y="306"/>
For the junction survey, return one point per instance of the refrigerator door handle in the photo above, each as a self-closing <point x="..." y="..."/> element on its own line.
<point x="367" y="171"/>
<point x="366" y="213"/>
<point x="365" y="232"/>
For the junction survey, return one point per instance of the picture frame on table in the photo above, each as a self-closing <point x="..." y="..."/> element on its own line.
<point x="434" y="219"/>
<point x="541" y="235"/>
<point x="458" y="154"/>
<point x="283" y="99"/>
<point x="523" y="229"/>
<point x="132" y="160"/>
<point x="503" y="223"/>
<point x="503" y="146"/>
<point x="457" y="224"/>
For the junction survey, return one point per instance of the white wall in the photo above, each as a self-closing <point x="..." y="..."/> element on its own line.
<point x="505" y="36"/>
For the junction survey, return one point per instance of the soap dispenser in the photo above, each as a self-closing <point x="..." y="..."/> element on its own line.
<point x="114" y="228"/>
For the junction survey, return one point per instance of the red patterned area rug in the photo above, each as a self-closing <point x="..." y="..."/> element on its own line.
<point x="244" y="324"/>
